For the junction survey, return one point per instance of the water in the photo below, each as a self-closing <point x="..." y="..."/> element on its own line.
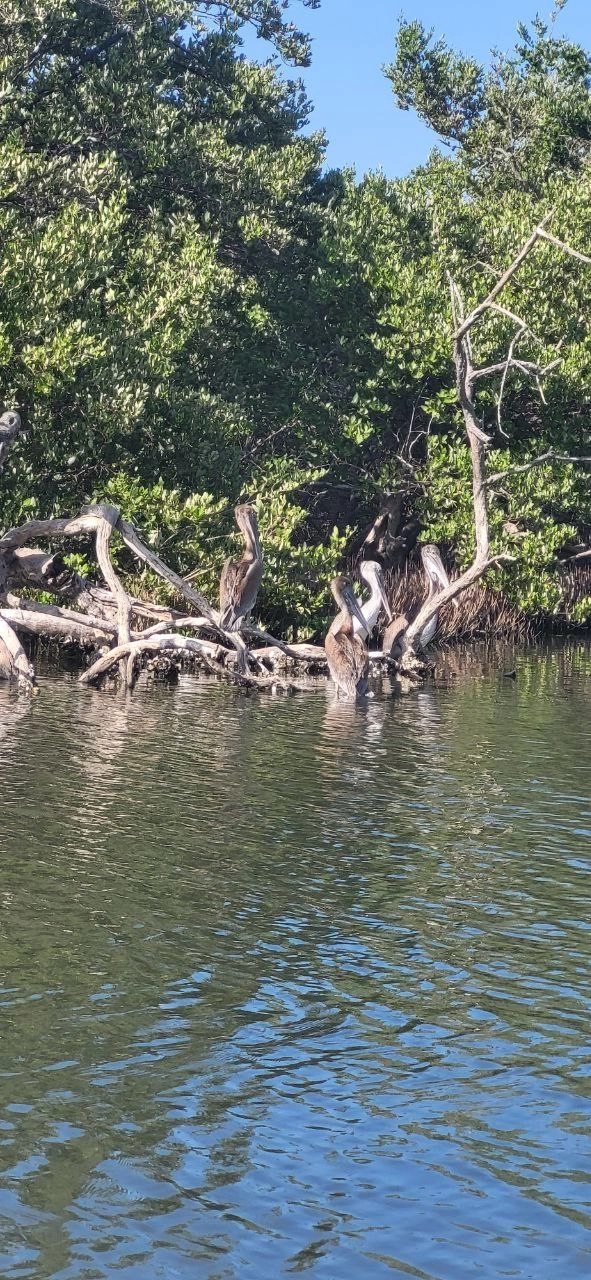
<point x="294" y="988"/>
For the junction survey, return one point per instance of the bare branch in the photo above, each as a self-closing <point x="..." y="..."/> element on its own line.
<point x="137" y="647"/>
<point x="477" y="439"/>
<point x="135" y="544"/>
<point x="432" y="606"/>
<point x="203" y="649"/>
<point x="566" y="248"/>
<point x="508" y="363"/>
<point x="525" y="366"/>
<point x="108" y="520"/>
<point x="511" y="315"/>
<point x="579" y="555"/>
<point x="94" y="621"/>
<point x="58" y="528"/>
<point x="503" y="280"/>
<point x="549" y="456"/>
<point x="489" y="302"/>
<point x="47" y="620"/>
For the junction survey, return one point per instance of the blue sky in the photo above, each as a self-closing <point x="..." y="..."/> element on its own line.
<point x="353" y="39"/>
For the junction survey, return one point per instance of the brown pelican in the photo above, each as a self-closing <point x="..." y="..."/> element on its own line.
<point x="346" y="654"/>
<point x="241" y="579"/>
<point x="373" y="576"/>
<point x="436" y="580"/>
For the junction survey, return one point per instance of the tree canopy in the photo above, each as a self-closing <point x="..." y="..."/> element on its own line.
<point x="193" y="310"/>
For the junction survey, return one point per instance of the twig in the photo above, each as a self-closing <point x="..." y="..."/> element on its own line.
<point x="566" y="248"/>
<point x="503" y="280"/>
<point x="549" y="456"/>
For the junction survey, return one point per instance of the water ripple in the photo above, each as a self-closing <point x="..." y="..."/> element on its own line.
<point x="293" y="987"/>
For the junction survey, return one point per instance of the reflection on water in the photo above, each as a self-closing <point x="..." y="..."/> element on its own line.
<point x="290" y="986"/>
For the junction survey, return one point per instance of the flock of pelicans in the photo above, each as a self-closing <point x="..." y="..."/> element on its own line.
<point x="346" y="649"/>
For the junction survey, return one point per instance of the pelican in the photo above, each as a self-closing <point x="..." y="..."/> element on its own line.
<point x="372" y="575"/>
<point x="436" y="580"/>
<point x="241" y="579"/>
<point x="346" y="653"/>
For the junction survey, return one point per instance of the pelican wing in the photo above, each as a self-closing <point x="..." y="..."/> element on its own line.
<point x="239" y="586"/>
<point x="392" y="643"/>
<point x="348" y="662"/>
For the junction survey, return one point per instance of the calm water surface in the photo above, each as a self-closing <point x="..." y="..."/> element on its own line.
<point x="296" y="988"/>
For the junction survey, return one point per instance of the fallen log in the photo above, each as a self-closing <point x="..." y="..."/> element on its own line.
<point x="63" y="624"/>
<point x="207" y="652"/>
<point x="103" y="615"/>
<point x="15" y="659"/>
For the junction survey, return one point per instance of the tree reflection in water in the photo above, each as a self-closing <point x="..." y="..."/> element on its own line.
<point x="281" y="974"/>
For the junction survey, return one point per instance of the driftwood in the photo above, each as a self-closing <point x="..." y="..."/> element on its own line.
<point x="107" y="618"/>
<point x="49" y="620"/>
<point x="210" y="655"/>
<point x="14" y="658"/>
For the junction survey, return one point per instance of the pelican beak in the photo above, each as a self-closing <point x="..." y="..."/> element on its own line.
<point x="354" y="606"/>
<point x="385" y="601"/>
<point x="440" y="578"/>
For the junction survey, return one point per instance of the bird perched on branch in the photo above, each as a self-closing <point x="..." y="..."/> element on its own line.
<point x="241" y="579"/>
<point x="372" y="574"/>
<point x="346" y="654"/>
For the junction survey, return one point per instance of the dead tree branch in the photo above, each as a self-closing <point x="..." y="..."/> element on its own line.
<point x="468" y="376"/>
<point x="108" y="612"/>
<point x="203" y="649"/>
<point x="48" y="620"/>
<point x="549" y="456"/>
<point x="537" y="234"/>
<point x="462" y="354"/>
<point x="466" y="579"/>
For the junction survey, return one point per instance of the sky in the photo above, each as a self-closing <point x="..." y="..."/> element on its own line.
<point x="353" y="39"/>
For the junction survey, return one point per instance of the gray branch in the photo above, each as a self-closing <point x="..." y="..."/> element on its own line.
<point x="549" y="456"/>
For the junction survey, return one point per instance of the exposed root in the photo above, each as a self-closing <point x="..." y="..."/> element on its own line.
<point x="211" y="656"/>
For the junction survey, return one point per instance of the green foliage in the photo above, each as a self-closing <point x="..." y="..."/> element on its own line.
<point x="295" y="595"/>
<point x="153" y="187"/>
<point x="443" y="88"/>
<point x="199" y="530"/>
<point x="191" y="311"/>
<point x="519" y="122"/>
<point x="533" y="535"/>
